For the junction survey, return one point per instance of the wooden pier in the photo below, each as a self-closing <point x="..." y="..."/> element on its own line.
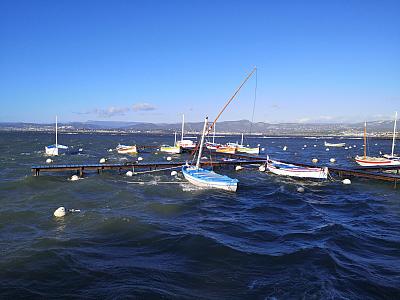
<point x="134" y="166"/>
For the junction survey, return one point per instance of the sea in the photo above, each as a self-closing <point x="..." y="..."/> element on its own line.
<point x="156" y="236"/>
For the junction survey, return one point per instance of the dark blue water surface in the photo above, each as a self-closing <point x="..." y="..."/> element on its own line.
<point x="155" y="236"/>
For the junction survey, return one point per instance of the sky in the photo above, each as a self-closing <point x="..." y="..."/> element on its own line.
<point x="151" y="61"/>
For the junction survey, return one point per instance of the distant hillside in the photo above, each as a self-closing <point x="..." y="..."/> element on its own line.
<point x="222" y="127"/>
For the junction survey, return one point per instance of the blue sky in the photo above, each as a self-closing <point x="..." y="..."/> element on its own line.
<point x="151" y="61"/>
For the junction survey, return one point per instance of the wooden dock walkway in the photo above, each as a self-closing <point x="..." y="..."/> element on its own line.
<point x="135" y="166"/>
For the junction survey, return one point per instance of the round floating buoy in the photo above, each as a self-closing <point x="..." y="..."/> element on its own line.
<point x="300" y="189"/>
<point x="327" y="149"/>
<point x="349" y="147"/>
<point x="346" y="148"/>
<point x="238" y="168"/>
<point x="169" y="158"/>
<point x="261" y="168"/>
<point x="314" y="160"/>
<point x="140" y="158"/>
<point x="376" y="144"/>
<point x="74" y="178"/>
<point x="174" y="173"/>
<point x="315" y="146"/>
<point x="59" y="212"/>
<point x="49" y="161"/>
<point x="284" y="148"/>
<point x="332" y="160"/>
<point x="305" y="146"/>
<point x="258" y="145"/>
<point x="156" y="153"/>
<point x="158" y="149"/>
<point x="129" y="173"/>
<point x="110" y="150"/>
<point x="102" y="160"/>
<point x="262" y="149"/>
<point x="80" y="149"/>
<point x="380" y="152"/>
<point x="346" y="181"/>
<point x="354" y="146"/>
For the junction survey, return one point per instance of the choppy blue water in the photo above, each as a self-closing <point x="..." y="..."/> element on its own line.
<point x="172" y="240"/>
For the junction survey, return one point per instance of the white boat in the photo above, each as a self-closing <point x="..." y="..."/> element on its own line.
<point x="334" y="144"/>
<point x="185" y="144"/>
<point x="284" y="169"/>
<point x="245" y="149"/>
<point x="56" y="149"/>
<point x="171" y="149"/>
<point x="124" y="149"/>
<point x="206" y="178"/>
<point x="369" y="161"/>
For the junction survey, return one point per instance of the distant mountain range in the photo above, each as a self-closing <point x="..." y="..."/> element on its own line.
<point x="241" y="126"/>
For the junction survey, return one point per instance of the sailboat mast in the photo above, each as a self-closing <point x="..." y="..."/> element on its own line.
<point x="183" y="126"/>
<point x="365" y="140"/>
<point x="56" y="133"/>
<point x="201" y="143"/>
<point x="241" y="142"/>
<point x="214" y="135"/>
<point x="394" y="132"/>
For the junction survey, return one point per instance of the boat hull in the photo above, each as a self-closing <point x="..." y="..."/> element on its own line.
<point x="376" y="161"/>
<point x="229" y="150"/>
<point x="122" y="149"/>
<point x="290" y="170"/>
<point x="249" y="150"/>
<point x="170" y="149"/>
<point x="54" y="150"/>
<point x="209" y="179"/>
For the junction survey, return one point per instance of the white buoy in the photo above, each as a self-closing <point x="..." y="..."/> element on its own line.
<point x="238" y="168"/>
<point x="174" y="173"/>
<point x="59" y="212"/>
<point x="315" y="146"/>
<point x="305" y="146"/>
<point x="380" y="152"/>
<point x="129" y="173"/>
<point x="140" y="158"/>
<point x="74" y="178"/>
<point x="300" y="189"/>
<point x="261" y="168"/>
<point x="332" y="160"/>
<point x="169" y="158"/>
<point x="302" y="148"/>
<point x="156" y="153"/>
<point x="102" y="160"/>
<point x="346" y="181"/>
<point x="49" y="161"/>
<point x="314" y="160"/>
<point x="327" y="149"/>
<point x="376" y="144"/>
<point x="262" y="149"/>
<point x="284" y="148"/>
<point x="346" y="148"/>
<point x="109" y="150"/>
<point x="80" y="149"/>
<point x="349" y="147"/>
<point x="354" y="146"/>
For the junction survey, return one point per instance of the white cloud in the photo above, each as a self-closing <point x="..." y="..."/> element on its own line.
<point x="143" y="107"/>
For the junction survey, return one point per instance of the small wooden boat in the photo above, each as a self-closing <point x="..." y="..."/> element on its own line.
<point x="366" y="161"/>
<point x="284" y="169"/>
<point x="248" y="150"/>
<point x="226" y="149"/>
<point x="334" y="144"/>
<point x="212" y="146"/>
<point x="123" y="149"/>
<point x="171" y="149"/>
<point x="206" y="178"/>
<point x="55" y="149"/>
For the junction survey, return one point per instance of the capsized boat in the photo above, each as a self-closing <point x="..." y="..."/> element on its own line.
<point x="56" y="149"/>
<point x="207" y="178"/>
<point x="334" y="144"/>
<point x="285" y="169"/>
<point x="124" y="149"/>
<point x="171" y="149"/>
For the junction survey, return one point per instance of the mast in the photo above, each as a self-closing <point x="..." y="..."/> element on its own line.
<point x="365" y="140"/>
<point x="175" y="139"/>
<point x="241" y="142"/>
<point x="214" y="135"/>
<point x="183" y="125"/>
<point x="230" y="100"/>
<point x="56" y="133"/>
<point x="201" y="143"/>
<point x="394" y="132"/>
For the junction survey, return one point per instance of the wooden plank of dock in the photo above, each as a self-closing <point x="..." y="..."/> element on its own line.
<point x="81" y="168"/>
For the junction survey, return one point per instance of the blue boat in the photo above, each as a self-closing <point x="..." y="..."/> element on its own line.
<point x="209" y="179"/>
<point x="206" y="178"/>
